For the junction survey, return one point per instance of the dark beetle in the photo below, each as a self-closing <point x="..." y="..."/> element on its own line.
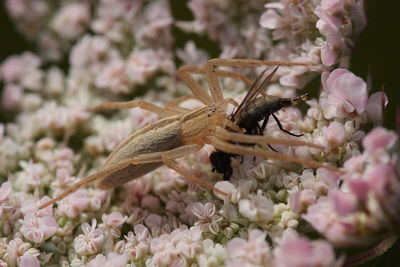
<point x="247" y="116"/>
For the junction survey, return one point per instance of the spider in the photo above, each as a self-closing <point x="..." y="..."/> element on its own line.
<point x="181" y="131"/>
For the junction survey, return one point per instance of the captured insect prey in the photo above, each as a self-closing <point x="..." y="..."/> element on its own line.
<point x="182" y="131"/>
<point x="248" y="115"/>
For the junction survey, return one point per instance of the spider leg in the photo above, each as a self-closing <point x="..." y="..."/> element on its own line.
<point x="132" y="104"/>
<point x="256" y="151"/>
<point x="165" y="157"/>
<point x="261" y="140"/>
<point x="173" y="105"/>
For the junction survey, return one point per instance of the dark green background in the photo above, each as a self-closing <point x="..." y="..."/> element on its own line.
<point x="376" y="50"/>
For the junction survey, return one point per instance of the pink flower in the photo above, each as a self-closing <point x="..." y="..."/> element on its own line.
<point x="72" y="205"/>
<point x="90" y="52"/>
<point x="256" y="208"/>
<point x="255" y="251"/>
<point x="12" y="96"/>
<point x="32" y="206"/>
<point x="113" y="77"/>
<point x="355" y="164"/>
<point x="56" y="118"/>
<point x="379" y="138"/>
<point x="27" y="260"/>
<point x="156" y="17"/>
<point x="141" y="117"/>
<point x="112" y="260"/>
<point x="299" y="201"/>
<point x="334" y="134"/>
<point x="113" y="222"/>
<point x="191" y="55"/>
<point x="71" y="20"/>
<point x="136" y="190"/>
<point x="359" y="187"/>
<point x="97" y="197"/>
<point x="113" y="17"/>
<point x="143" y="63"/>
<point x="381" y="178"/>
<point x="299" y="252"/>
<point x="340" y="22"/>
<point x="288" y="19"/>
<point x="17" y="248"/>
<point x="32" y="176"/>
<point x="114" y="219"/>
<point x="137" y="244"/>
<point x="153" y="221"/>
<point x="188" y="243"/>
<point x="345" y="94"/>
<point x="323" y="217"/>
<point x="14" y="68"/>
<point x="207" y="219"/>
<point x="344" y="203"/>
<point x="270" y="19"/>
<point x="90" y="241"/>
<point x="376" y="103"/>
<point x="5" y="203"/>
<point x="151" y="203"/>
<point x="226" y="187"/>
<point x="180" y="243"/>
<point x="164" y="252"/>
<point x="165" y="179"/>
<point x="36" y="228"/>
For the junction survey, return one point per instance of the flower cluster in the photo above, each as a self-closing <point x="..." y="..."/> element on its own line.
<point x="120" y="49"/>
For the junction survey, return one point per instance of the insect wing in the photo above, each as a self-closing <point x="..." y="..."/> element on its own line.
<point x="260" y="83"/>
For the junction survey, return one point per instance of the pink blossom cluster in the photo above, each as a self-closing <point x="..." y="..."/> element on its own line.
<point x="237" y="36"/>
<point x="353" y="213"/>
<point x="116" y="49"/>
<point x="321" y="32"/>
<point x="52" y="25"/>
<point x="340" y="22"/>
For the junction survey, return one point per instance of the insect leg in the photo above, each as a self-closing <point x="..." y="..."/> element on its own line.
<point x="256" y="151"/>
<point x="132" y="104"/>
<point x="264" y="124"/>
<point x="282" y="129"/>
<point x="262" y="129"/>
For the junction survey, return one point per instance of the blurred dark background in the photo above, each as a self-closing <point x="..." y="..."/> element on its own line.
<point x="377" y="52"/>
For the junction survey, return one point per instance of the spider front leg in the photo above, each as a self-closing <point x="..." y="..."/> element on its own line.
<point x="185" y="73"/>
<point x="133" y="104"/>
<point x="173" y="105"/>
<point x="211" y="72"/>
